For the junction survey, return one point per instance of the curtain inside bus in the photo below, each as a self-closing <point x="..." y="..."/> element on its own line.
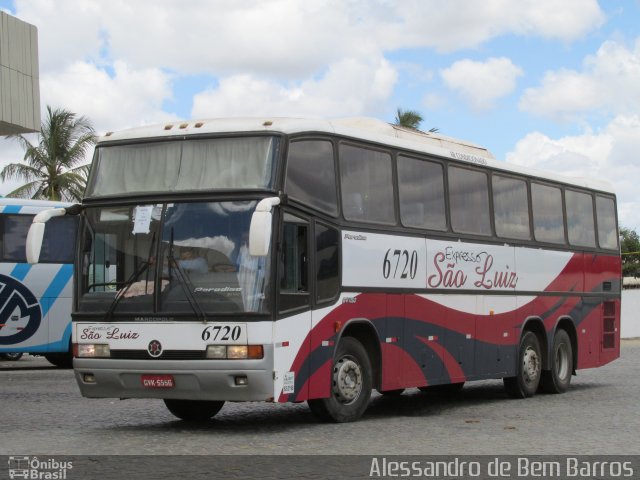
<point x="169" y="166"/>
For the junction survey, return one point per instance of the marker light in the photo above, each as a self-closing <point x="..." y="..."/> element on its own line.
<point x="91" y="350"/>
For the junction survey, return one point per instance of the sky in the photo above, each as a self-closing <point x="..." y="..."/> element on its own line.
<point x="549" y="84"/>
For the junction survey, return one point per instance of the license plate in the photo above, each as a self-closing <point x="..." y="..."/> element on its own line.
<point x="158" y="381"/>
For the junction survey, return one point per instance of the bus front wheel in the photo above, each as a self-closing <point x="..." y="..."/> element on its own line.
<point x="351" y="384"/>
<point x="60" y="360"/>
<point x="528" y="369"/>
<point x="557" y="379"/>
<point x="11" y="356"/>
<point x="193" y="410"/>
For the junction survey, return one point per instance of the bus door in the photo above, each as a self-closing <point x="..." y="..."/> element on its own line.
<point x="294" y="305"/>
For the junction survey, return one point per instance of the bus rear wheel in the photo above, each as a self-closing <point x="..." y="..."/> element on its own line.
<point x="528" y="370"/>
<point x="351" y="384"/>
<point x="193" y="410"/>
<point x="557" y="379"/>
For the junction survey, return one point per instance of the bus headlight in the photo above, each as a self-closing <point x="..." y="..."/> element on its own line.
<point x="217" y="351"/>
<point x="91" y="350"/>
<point x="235" y="352"/>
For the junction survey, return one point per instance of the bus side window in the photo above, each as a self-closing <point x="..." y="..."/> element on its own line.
<point x="548" y="218"/>
<point x="606" y="215"/>
<point x="327" y="263"/>
<point x="14" y="237"/>
<point x="294" y="259"/>
<point x="58" y="245"/>
<point x="469" y="201"/>
<point x="581" y="229"/>
<point x="311" y="175"/>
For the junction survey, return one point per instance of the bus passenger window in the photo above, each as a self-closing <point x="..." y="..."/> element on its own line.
<point x="14" y="237"/>
<point x="580" y="219"/>
<point x="59" y="244"/>
<point x="511" y="207"/>
<point x="421" y="189"/>
<point x="606" y="215"/>
<point x="294" y="258"/>
<point x="311" y="175"/>
<point x="367" y="185"/>
<point x="548" y="223"/>
<point x="469" y="201"/>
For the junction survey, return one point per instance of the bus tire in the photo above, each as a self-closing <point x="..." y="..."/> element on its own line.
<point x="528" y="370"/>
<point x="557" y="379"/>
<point x="351" y="384"/>
<point x="11" y="356"/>
<point x="193" y="410"/>
<point x="60" y="360"/>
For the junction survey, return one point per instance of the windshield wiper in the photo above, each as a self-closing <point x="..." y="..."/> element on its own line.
<point x="185" y="283"/>
<point x="131" y="280"/>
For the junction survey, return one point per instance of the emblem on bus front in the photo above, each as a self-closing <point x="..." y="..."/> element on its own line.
<point x="154" y="348"/>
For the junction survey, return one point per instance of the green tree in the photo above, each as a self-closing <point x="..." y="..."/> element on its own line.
<point x="630" y="248"/>
<point x="410" y="119"/>
<point x="52" y="169"/>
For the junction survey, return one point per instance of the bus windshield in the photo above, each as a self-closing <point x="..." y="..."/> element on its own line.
<point x="182" y="258"/>
<point x="183" y="165"/>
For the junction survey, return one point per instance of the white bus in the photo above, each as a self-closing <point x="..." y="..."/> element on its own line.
<point x="290" y="260"/>
<point x="35" y="300"/>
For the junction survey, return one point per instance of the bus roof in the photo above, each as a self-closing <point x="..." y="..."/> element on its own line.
<point x="362" y="128"/>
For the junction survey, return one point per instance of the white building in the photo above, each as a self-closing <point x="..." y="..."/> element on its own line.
<point x="19" y="77"/>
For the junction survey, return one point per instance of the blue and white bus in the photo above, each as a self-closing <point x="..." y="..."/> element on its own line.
<point x="35" y="300"/>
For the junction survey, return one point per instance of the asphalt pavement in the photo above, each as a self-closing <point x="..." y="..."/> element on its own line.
<point x="43" y="413"/>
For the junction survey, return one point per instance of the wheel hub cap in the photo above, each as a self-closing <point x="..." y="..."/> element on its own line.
<point x="347" y="380"/>
<point x="531" y="365"/>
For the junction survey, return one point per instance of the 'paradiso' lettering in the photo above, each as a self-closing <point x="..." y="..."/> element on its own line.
<point x="450" y="274"/>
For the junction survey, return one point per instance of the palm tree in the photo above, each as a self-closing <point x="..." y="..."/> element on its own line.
<point x="52" y="168"/>
<point x="410" y="119"/>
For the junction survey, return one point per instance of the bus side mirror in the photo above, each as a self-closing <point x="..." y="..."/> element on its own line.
<point x="260" y="228"/>
<point x="36" y="232"/>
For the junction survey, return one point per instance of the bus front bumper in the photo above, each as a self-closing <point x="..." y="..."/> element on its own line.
<point x="228" y="380"/>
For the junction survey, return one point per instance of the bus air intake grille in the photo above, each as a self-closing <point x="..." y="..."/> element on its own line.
<point x="609" y="325"/>
<point x="166" y="355"/>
